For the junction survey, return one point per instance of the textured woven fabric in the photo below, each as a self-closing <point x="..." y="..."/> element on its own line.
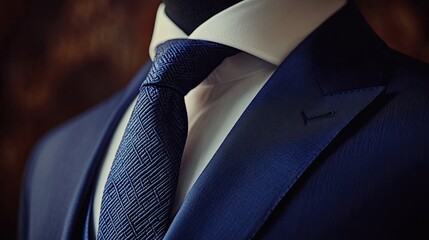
<point x="140" y="189"/>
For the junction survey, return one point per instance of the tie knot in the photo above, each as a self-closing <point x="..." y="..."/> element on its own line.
<point x="182" y="64"/>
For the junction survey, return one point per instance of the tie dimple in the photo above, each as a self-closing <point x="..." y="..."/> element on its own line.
<point x="140" y="189"/>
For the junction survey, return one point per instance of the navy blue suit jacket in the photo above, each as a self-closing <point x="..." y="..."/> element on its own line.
<point x="334" y="146"/>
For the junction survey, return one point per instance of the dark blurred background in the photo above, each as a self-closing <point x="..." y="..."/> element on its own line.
<point x="60" y="57"/>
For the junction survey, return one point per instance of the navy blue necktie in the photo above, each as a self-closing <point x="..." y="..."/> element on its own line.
<point x="140" y="189"/>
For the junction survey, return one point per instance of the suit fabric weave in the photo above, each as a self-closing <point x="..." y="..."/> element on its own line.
<point x="140" y="189"/>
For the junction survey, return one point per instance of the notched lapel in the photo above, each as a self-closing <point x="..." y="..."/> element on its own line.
<point x="312" y="96"/>
<point x="261" y="159"/>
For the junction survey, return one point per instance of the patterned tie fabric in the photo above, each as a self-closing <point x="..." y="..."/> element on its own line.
<point x="140" y="189"/>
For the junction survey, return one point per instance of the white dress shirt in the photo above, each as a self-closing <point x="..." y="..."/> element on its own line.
<point x="266" y="31"/>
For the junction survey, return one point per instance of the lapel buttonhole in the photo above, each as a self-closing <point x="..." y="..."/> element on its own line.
<point x="322" y="116"/>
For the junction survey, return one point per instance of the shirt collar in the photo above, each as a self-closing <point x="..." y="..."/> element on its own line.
<point x="268" y="29"/>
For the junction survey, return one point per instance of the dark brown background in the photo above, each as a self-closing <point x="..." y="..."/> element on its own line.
<point x="59" y="57"/>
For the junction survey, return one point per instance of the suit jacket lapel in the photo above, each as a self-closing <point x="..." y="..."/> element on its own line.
<point x="106" y="117"/>
<point x="313" y="95"/>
